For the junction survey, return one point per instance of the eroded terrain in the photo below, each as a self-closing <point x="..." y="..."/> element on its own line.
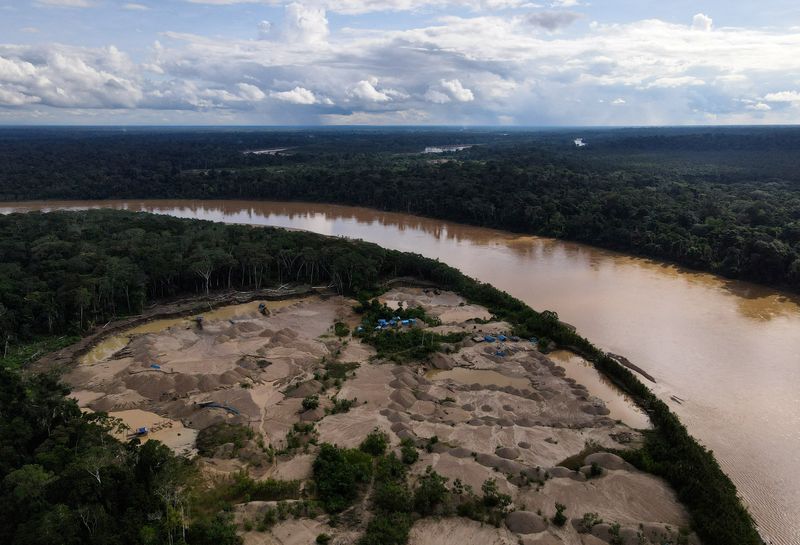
<point x="477" y="410"/>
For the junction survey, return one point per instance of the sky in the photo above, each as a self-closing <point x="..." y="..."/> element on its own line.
<point x="399" y="62"/>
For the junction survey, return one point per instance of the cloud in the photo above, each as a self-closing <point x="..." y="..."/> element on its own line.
<point x="702" y="22"/>
<point x="365" y="90"/>
<point x="479" y="68"/>
<point x="618" y="101"/>
<point x="131" y="6"/>
<point x="673" y="82"/>
<point x="759" y="107"/>
<point x="457" y="91"/>
<point x="251" y="92"/>
<point x="66" y="3"/>
<point x="298" y="95"/>
<point x="783" y="96"/>
<point x="447" y="91"/>
<point x="10" y="97"/>
<point x="553" y="20"/>
<point x="304" y="24"/>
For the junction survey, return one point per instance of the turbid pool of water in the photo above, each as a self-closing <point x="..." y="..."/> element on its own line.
<point x="621" y="406"/>
<point x="483" y="377"/>
<point x="729" y="350"/>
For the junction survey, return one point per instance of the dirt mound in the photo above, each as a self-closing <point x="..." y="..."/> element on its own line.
<point x="606" y="460"/>
<point x="525" y="522"/>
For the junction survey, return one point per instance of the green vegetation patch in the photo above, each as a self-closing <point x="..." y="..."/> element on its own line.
<point x="339" y="475"/>
<point x="16" y="356"/>
<point x="216" y="435"/>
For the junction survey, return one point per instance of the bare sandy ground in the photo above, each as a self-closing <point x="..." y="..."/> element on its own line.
<point x="499" y="411"/>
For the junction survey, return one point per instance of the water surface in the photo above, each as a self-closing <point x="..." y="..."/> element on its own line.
<point x="729" y="350"/>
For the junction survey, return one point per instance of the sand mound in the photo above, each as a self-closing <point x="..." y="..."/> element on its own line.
<point x="509" y="453"/>
<point x="305" y="389"/>
<point x="606" y="460"/>
<point x="458" y="531"/>
<point x="403" y="397"/>
<point x="525" y="522"/>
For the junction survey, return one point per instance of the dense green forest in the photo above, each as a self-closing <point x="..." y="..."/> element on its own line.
<point x="64" y="479"/>
<point x="723" y="200"/>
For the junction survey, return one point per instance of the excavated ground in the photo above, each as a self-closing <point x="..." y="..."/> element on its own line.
<point x="512" y="417"/>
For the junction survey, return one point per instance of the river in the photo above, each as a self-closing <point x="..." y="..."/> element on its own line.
<point x="730" y="351"/>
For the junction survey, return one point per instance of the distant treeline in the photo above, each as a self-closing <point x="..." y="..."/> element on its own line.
<point x="61" y="474"/>
<point x="721" y="200"/>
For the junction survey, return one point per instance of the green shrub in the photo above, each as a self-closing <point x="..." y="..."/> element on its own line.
<point x="387" y="529"/>
<point x="559" y="519"/>
<point x="212" y="437"/>
<point x="310" y="402"/>
<point x="338" y="474"/>
<point x="375" y="443"/>
<point x="431" y="493"/>
<point x="341" y="329"/>
<point x="341" y="405"/>
<point x="408" y="451"/>
<point x="220" y="530"/>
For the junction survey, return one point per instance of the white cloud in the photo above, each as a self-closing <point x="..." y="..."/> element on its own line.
<point x="759" y="107"/>
<point x="365" y="90"/>
<point x="702" y="22"/>
<point x="298" y="95"/>
<point x="618" y="101"/>
<point x="457" y="91"/>
<point x="676" y="81"/>
<point x="11" y="97"/>
<point x="783" y="96"/>
<point x="487" y="65"/>
<point x="66" y="3"/>
<point x="251" y="92"/>
<point x="304" y="24"/>
<point x="132" y="6"/>
<point x="437" y="97"/>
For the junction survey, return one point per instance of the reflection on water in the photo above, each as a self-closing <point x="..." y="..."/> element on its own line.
<point x="730" y="350"/>
<point x="621" y="406"/>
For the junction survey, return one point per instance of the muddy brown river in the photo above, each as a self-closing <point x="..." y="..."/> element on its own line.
<point x="725" y="354"/>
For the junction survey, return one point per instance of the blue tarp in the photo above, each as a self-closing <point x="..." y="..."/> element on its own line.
<point x="405" y="322"/>
<point x="155" y="366"/>
<point x="488" y="339"/>
<point x="501" y="338"/>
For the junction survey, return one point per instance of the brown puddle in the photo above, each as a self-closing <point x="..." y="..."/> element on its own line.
<point x="621" y="406"/>
<point x="170" y="432"/>
<point x="479" y="376"/>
